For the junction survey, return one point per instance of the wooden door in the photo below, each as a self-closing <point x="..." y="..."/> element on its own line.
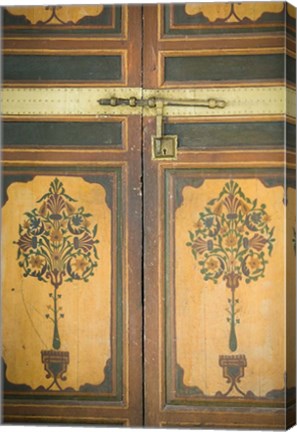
<point x="193" y="152"/>
<point x="72" y="309"/>
<point x="219" y="297"/>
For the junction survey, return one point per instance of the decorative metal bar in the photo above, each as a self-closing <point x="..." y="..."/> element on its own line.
<point x="209" y="103"/>
<point x="152" y="102"/>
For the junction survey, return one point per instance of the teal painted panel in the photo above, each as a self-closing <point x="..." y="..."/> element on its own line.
<point x="39" y="68"/>
<point x="62" y="134"/>
<point x="291" y="69"/>
<point x="291" y="136"/>
<point x="226" y="68"/>
<point x="231" y="135"/>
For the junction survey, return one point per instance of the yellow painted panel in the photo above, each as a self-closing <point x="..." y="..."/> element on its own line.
<point x="254" y="11"/>
<point x="55" y="14"/>
<point x="233" y="12"/>
<point x="212" y="11"/>
<point x="85" y="328"/>
<point x="202" y="329"/>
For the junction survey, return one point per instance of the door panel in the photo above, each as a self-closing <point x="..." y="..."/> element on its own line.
<point x="205" y="45"/>
<point x="215" y="282"/>
<point x="198" y="348"/>
<point x="71" y="198"/>
<point x="82" y="46"/>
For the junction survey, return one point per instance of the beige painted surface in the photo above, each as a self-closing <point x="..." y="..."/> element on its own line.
<point x="85" y="330"/>
<point x="84" y="101"/>
<point x="202" y="330"/>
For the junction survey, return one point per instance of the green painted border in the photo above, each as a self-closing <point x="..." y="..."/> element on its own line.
<point x="270" y="177"/>
<point x="221" y="68"/>
<point x="243" y="135"/>
<point x="72" y="171"/>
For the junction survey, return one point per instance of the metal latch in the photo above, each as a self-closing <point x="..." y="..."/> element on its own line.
<point x="164" y="147"/>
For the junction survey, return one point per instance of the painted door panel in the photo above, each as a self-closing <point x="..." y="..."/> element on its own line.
<point x="71" y="198"/>
<point x="216" y="285"/>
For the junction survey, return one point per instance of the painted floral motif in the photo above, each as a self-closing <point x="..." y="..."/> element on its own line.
<point x="231" y="242"/>
<point x="56" y="15"/>
<point x="236" y="12"/>
<point x="57" y="245"/>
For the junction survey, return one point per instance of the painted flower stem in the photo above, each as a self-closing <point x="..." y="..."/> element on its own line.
<point x="56" y="337"/>
<point x="56" y="279"/>
<point x="232" y="338"/>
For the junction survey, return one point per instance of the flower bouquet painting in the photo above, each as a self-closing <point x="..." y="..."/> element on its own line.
<point x="231" y="243"/>
<point x="57" y="245"/>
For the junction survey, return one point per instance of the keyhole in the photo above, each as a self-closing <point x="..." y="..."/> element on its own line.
<point x="164" y="151"/>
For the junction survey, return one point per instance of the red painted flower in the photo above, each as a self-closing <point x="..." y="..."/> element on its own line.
<point x="27" y="242"/>
<point x="232" y="205"/>
<point x="201" y="245"/>
<point x="257" y="242"/>
<point x="85" y="242"/>
<point x="56" y="204"/>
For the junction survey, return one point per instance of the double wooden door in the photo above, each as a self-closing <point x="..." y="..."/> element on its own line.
<point x="148" y="206"/>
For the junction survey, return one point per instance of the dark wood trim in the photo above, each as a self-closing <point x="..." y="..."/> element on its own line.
<point x="134" y="72"/>
<point x="154" y="387"/>
<point x="223" y="42"/>
<point x="18" y="46"/>
<point x="134" y="331"/>
<point x="150" y="43"/>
